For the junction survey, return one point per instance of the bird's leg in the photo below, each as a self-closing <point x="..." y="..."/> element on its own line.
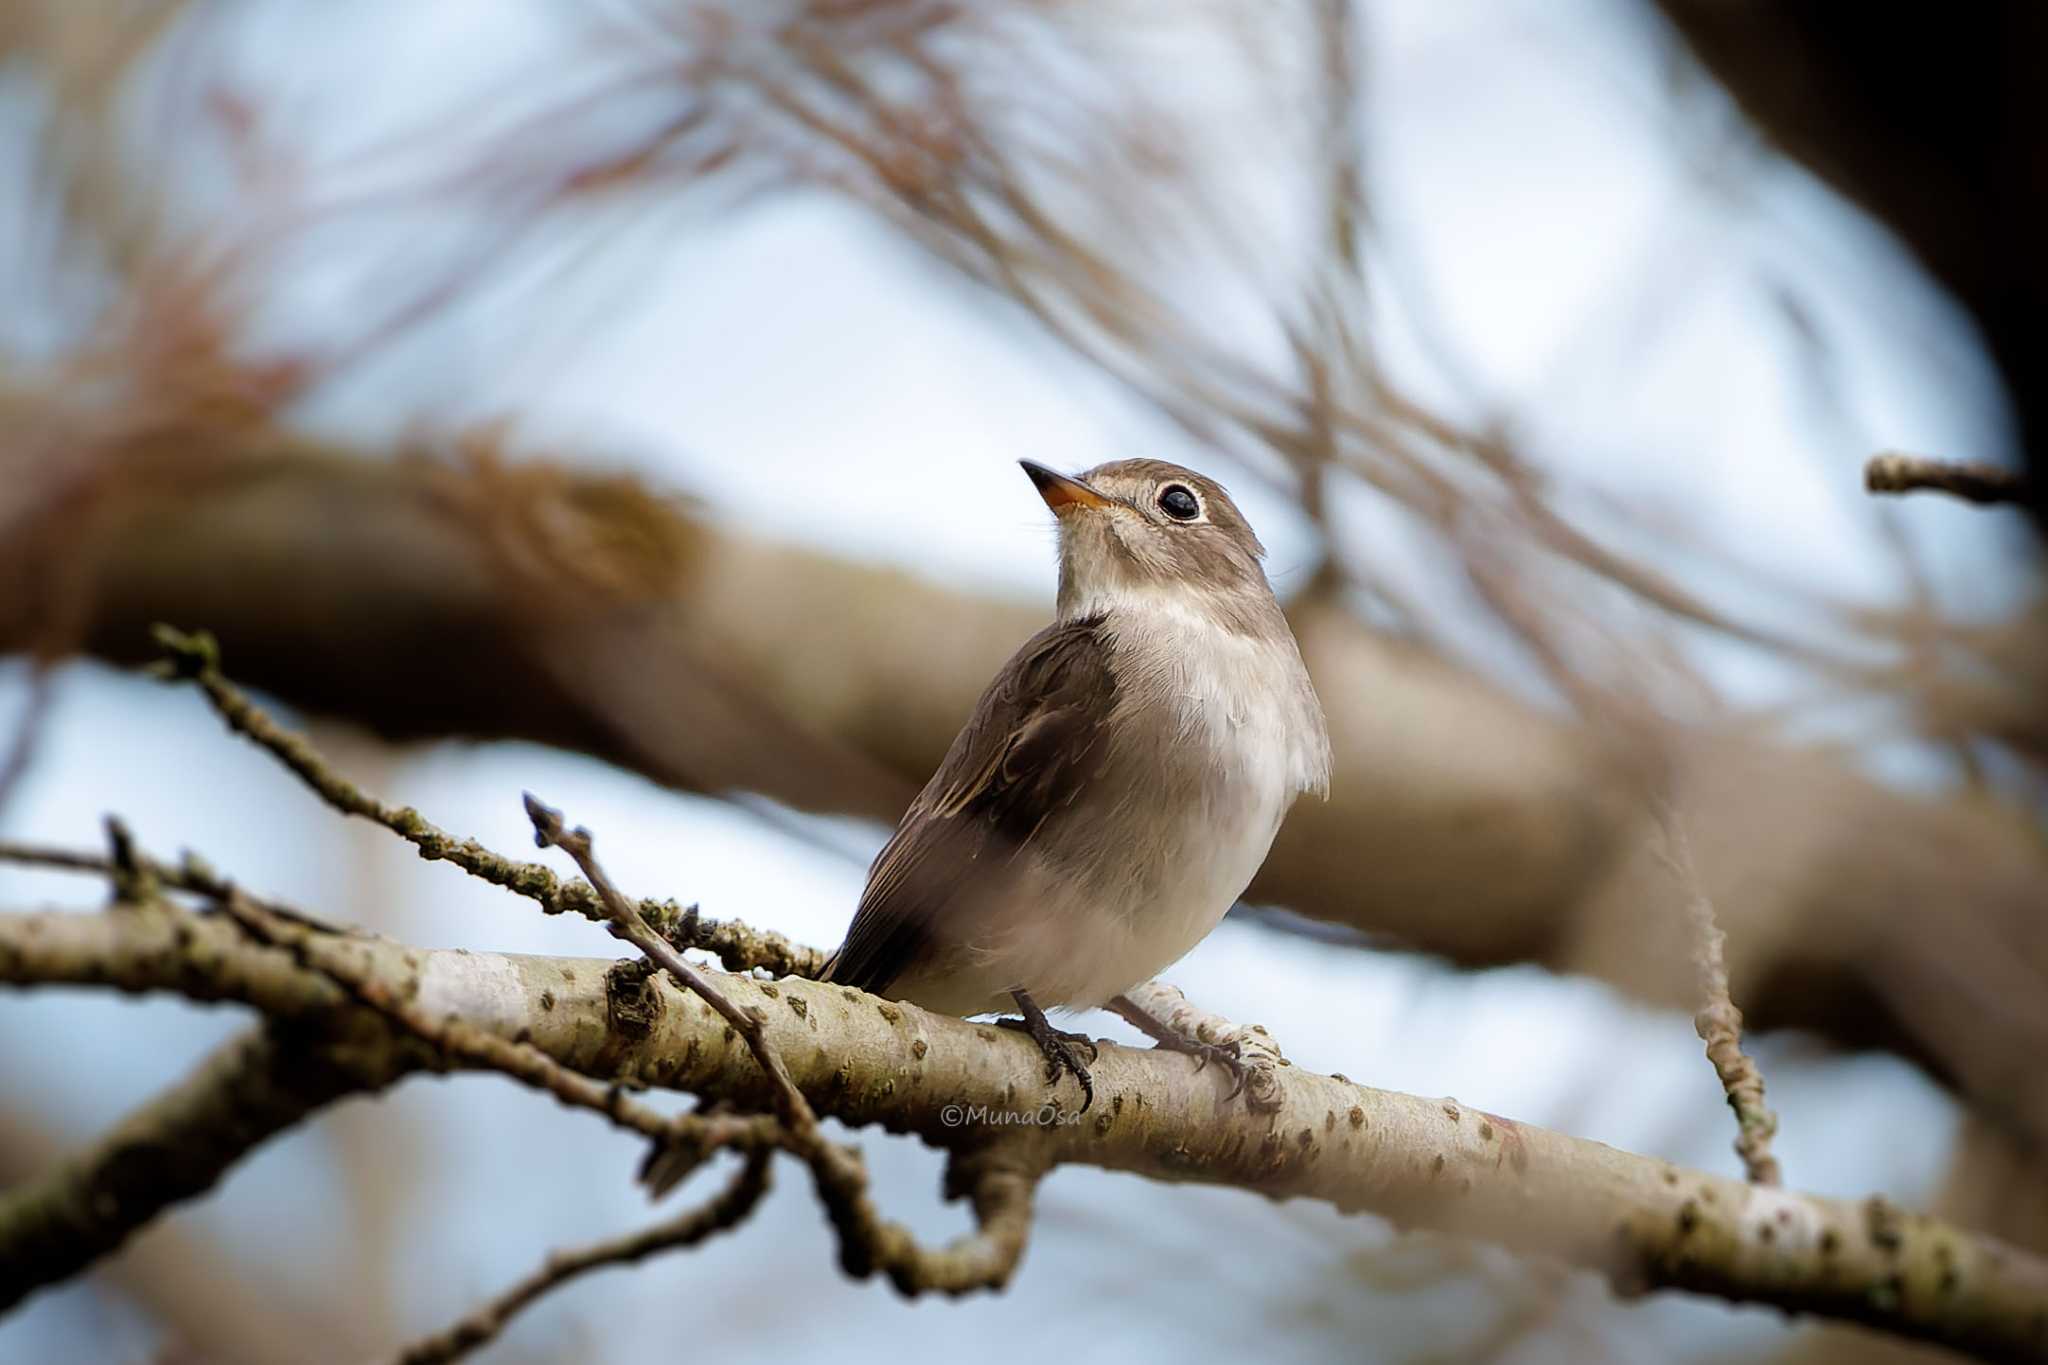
<point x="1228" y="1055"/>
<point x="1061" y="1048"/>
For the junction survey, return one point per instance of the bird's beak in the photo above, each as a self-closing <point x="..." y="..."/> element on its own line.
<point x="1061" y="492"/>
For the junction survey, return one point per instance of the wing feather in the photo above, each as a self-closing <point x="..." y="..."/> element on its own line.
<point x="1034" y="740"/>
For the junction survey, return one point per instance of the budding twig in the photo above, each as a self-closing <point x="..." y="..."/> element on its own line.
<point x="680" y="1143"/>
<point x="195" y="657"/>
<point x="1000" y="1178"/>
<point x="1719" y="1022"/>
<point x="1000" y="1183"/>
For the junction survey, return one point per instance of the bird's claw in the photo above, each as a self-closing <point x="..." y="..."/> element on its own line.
<point x="1229" y="1055"/>
<point x="1062" y="1054"/>
<point x="1062" y="1051"/>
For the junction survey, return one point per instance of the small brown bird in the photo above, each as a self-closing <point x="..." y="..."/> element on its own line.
<point x="1118" y="784"/>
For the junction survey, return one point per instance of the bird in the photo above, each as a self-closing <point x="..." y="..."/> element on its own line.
<point x="1116" y="787"/>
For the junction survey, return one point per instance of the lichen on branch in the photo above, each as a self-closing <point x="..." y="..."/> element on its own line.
<point x="195" y="657"/>
<point x="768" y="1058"/>
<point x="1422" y="1162"/>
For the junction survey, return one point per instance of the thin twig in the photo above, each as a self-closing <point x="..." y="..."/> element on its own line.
<point x="1719" y="1022"/>
<point x="133" y="868"/>
<point x="195" y="657"/>
<point x="171" y="1148"/>
<point x="56" y="859"/>
<point x="681" y="1143"/>
<point x="1000" y="1183"/>
<point x="723" y="1212"/>
<point x="626" y="922"/>
<point x="1967" y="479"/>
<point x="1001" y="1178"/>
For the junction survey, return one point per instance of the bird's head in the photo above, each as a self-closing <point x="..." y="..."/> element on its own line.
<point x="1145" y="531"/>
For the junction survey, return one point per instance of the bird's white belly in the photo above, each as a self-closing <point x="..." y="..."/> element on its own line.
<point x="1145" y="911"/>
<point x="1077" y="941"/>
<point x="1176" y="911"/>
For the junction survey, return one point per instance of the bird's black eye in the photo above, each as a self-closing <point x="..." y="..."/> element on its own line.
<point x="1179" y="502"/>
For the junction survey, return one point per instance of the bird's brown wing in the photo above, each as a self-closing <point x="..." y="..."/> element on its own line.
<point x="1035" y="738"/>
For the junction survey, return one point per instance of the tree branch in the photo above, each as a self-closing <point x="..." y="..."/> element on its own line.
<point x="627" y="923"/>
<point x="1422" y="1162"/>
<point x="171" y="1149"/>
<point x="836" y="686"/>
<point x="211" y="1299"/>
<point x="1256" y="1051"/>
<point x="725" y="1211"/>
<point x="680" y="1143"/>
<point x="1965" y="479"/>
<point x="196" y="657"/>
<point x="1001" y="1187"/>
<point x="1717" y="1021"/>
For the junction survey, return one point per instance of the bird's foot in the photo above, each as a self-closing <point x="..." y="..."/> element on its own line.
<point x="1062" y="1049"/>
<point x="1229" y="1056"/>
<point x="1249" y="1055"/>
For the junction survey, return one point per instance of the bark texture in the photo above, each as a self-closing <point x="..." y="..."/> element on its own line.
<point x="1422" y="1162"/>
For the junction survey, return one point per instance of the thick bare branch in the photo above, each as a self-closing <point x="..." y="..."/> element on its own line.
<point x="680" y="1143"/>
<point x="172" y="1149"/>
<point x="627" y="923"/>
<point x="867" y="1242"/>
<point x="1423" y="1162"/>
<point x="210" y="1298"/>
<point x="1000" y="1183"/>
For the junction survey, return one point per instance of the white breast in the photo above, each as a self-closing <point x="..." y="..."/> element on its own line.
<point x="1245" y="701"/>
<point x="1248" y="739"/>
